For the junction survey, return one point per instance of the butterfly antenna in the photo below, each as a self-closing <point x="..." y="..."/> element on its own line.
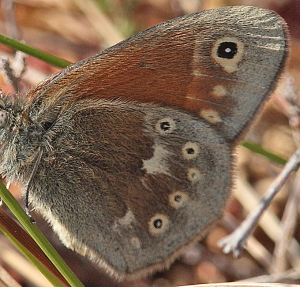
<point x="36" y="164"/>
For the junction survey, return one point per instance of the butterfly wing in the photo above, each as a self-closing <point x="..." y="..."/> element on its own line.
<point x="129" y="183"/>
<point x="219" y="64"/>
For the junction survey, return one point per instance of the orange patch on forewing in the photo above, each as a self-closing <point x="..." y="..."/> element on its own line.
<point x="210" y="87"/>
<point x="209" y="95"/>
<point x="211" y="116"/>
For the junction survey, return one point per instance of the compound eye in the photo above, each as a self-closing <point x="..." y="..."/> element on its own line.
<point x="3" y="118"/>
<point x="2" y="104"/>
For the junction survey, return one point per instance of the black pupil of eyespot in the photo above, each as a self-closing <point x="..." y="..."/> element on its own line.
<point x="177" y="198"/>
<point x="165" y="126"/>
<point x="190" y="150"/>
<point x="227" y="50"/>
<point x="157" y="223"/>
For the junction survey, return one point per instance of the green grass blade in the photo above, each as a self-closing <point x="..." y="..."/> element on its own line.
<point x="258" y="149"/>
<point x="38" y="237"/>
<point x="46" y="57"/>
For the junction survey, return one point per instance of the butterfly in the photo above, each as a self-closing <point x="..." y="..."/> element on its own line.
<point x="128" y="154"/>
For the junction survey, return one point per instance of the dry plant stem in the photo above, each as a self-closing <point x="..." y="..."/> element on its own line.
<point x="100" y="22"/>
<point x="14" y="74"/>
<point x="269" y="223"/>
<point x="291" y="96"/>
<point x="287" y="98"/>
<point x="289" y="221"/>
<point x="19" y="64"/>
<point x="235" y="241"/>
<point x="182" y="7"/>
<point x="16" y="262"/>
<point x="14" y="71"/>
<point x="6" y="279"/>
<point x="288" y="101"/>
<point x="9" y="74"/>
<point x="279" y="277"/>
<point x="10" y="19"/>
<point x="254" y="247"/>
<point x="240" y="284"/>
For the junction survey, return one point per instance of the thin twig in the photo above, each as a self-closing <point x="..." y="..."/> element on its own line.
<point x="235" y="241"/>
<point x="287" y="98"/>
<point x="12" y="72"/>
<point x="254" y="247"/>
<point x="288" y="223"/>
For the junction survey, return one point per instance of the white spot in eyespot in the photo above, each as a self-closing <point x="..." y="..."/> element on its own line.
<point x="229" y="65"/>
<point x="165" y="126"/>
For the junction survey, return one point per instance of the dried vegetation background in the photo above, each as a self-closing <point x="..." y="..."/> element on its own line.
<point x="75" y="29"/>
